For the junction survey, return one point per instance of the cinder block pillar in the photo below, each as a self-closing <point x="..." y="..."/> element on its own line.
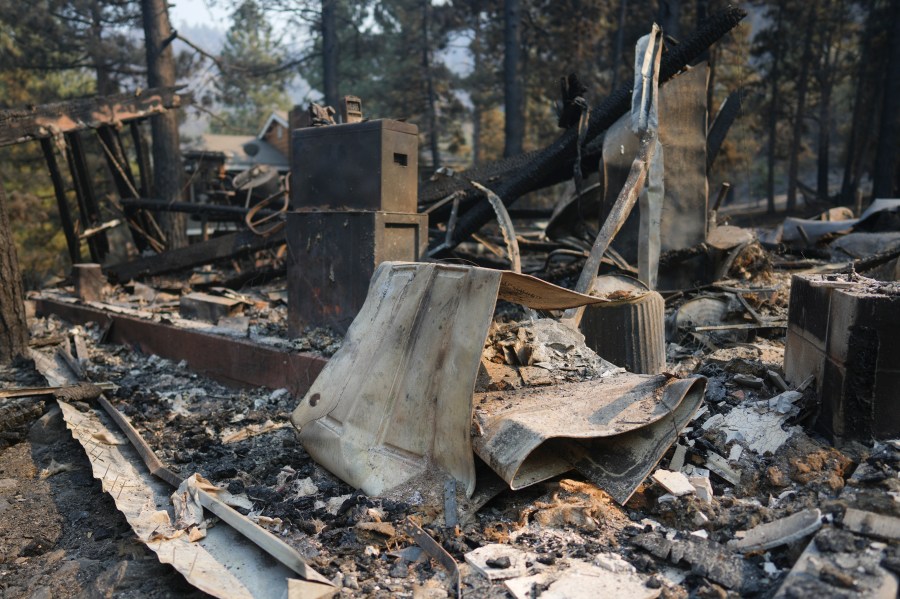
<point x="847" y="334"/>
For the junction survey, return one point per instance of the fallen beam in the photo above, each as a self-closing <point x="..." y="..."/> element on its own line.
<point x="554" y="163"/>
<point x="233" y="245"/>
<point x="728" y="112"/>
<point x="49" y="120"/>
<point x="192" y="208"/>
<point x="228" y="360"/>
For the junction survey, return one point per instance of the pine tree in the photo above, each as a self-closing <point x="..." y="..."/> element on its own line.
<point x="250" y="85"/>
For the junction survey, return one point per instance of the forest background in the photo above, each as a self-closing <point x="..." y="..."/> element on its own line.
<point x="819" y="82"/>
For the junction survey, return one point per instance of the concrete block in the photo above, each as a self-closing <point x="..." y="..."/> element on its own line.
<point x="810" y="306"/>
<point x="806" y="357"/>
<point x="203" y="306"/>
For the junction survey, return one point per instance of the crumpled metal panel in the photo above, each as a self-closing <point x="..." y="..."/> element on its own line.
<point x="396" y="401"/>
<point x="397" y="397"/>
<point x="605" y="428"/>
<point x="619" y="464"/>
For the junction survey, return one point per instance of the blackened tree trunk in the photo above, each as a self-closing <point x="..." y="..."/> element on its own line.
<point x="512" y="81"/>
<point x="619" y="43"/>
<point x="106" y="85"/>
<point x="800" y="109"/>
<point x="477" y="110"/>
<point x="167" y="169"/>
<point x="854" y="149"/>
<point x="774" y="106"/>
<point x="669" y="17"/>
<point x="330" y="53"/>
<point x="833" y="33"/>
<point x="433" y="135"/>
<point x="824" y="140"/>
<point x="885" y="174"/>
<point x="13" y="325"/>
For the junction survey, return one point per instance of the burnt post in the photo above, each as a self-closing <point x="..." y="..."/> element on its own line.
<point x="89" y="282"/>
<point x="65" y="214"/>
<point x="13" y="324"/>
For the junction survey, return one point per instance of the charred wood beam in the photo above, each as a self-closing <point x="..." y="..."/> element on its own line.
<point x="726" y="116"/>
<point x="47" y="120"/>
<point x="431" y="191"/>
<point x="62" y="203"/>
<point x="494" y="172"/>
<point x="555" y="162"/>
<point x="120" y="169"/>
<point x="870" y="262"/>
<point x="142" y="154"/>
<point x="143" y="158"/>
<point x="258" y="276"/>
<point x="227" y="246"/>
<point x="192" y="208"/>
<point x="88" y="209"/>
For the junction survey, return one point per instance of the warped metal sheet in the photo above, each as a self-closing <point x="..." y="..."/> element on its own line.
<point x="605" y="428"/>
<point x="396" y="401"/>
<point x="397" y="396"/>
<point x="540" y="295"/>
<point x="620" y="463"/>
<point x="223" y="564"/>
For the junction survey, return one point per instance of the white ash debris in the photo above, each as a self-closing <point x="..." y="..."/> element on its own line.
<point x="548" y="344"/>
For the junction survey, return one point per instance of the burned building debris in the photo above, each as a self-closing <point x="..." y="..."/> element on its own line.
<point x="364" y="388"/>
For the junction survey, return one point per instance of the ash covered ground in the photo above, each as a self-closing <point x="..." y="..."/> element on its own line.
<point x="62" y="536"/>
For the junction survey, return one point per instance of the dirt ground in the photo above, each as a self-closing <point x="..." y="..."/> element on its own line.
<point x="60" y="535"/>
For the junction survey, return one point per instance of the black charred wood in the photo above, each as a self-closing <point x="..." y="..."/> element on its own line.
<point x="554" y="163"/>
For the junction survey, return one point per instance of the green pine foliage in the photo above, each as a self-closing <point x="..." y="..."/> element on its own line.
<point x="250" y="84"/>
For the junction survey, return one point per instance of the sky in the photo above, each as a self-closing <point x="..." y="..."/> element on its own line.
<point x="198" y="13"/>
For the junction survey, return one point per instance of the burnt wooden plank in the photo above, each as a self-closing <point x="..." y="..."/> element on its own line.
<point x="89" y="210"/>
<point x="120" y="169"/>
<point x="143" y="158"/>
<point x="46" y="120"/>
<point x="227" y="246"/>
<point x="203" y="306"/>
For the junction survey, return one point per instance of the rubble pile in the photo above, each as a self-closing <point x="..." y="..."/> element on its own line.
<point x="629" y="395"/>
<point x="749" y="497"/>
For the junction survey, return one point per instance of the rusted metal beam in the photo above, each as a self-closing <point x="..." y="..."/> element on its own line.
<point x="231" y="361"/>
<point x="47" y="120"/>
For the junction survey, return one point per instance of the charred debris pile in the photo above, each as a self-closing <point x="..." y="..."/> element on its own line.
<point x="381" y="386"/>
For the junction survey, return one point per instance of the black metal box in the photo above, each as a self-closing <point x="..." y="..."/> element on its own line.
<point x="357" y="166"/>
<point x="332" y="256"/>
